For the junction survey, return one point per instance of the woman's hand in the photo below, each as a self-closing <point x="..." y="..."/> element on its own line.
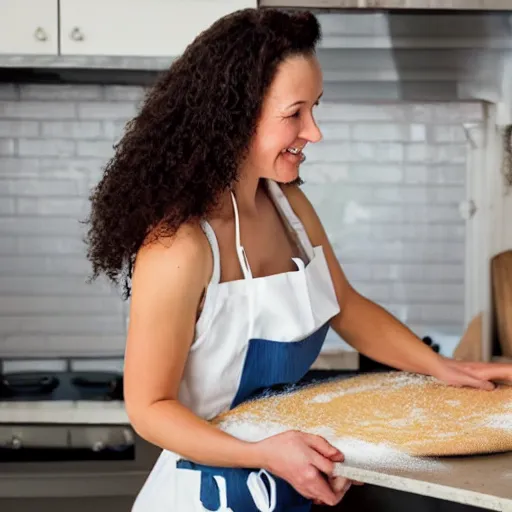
<point x="475" y="375"/>
<point x="339" y="485"/>
<point x="306" y="462"/>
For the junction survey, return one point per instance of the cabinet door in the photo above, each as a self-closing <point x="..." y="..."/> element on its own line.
<point x="137" y="27"/>
<point x="29" y="27"/>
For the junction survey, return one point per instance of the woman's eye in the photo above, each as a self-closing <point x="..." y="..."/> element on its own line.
<point x="296" y="114"/>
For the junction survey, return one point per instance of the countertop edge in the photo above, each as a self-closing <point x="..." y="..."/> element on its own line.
<point x="424" y="488"/>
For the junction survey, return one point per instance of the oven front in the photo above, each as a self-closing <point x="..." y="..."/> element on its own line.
<point x="48" y="460"/>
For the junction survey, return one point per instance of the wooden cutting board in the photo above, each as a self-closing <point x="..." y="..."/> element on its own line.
<point x="501" y="268"/>
<point x="408" y="413"/>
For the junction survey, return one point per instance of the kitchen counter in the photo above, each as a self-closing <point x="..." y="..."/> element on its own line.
<point x="481" y="481"/>
<point x="64" y="412"/>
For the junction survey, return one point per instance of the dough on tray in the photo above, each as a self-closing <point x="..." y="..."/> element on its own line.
<point x="411" y="413"/>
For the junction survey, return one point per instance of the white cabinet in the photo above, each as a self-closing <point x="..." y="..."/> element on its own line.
<point x="29" y="27"/>
<point x="137" y="27"/>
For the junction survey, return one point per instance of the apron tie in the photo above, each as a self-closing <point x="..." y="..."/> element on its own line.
<point x="223" y="495"/>
<point x="259" y="492"/>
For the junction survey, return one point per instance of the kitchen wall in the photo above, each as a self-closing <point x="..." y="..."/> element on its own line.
<point x="387" y="182"/>
<point x="54" y="141"/>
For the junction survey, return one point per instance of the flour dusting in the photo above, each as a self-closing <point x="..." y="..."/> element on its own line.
<point x="372" y="455"/>
<point x="499" y="421"/>
<point x="396" y="381"/>
<point x="392" y="420"/>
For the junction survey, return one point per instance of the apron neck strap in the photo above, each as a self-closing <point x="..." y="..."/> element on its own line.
<point x="242" y="257"/>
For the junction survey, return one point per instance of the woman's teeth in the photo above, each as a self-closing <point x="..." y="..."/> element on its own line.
<point x="296" y="152"/>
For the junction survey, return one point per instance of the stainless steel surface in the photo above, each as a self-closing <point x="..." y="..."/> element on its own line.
<point x="98" y="438"/>
<point x="77" y="34"/>
<point x="40" y="34"/>
<point x="482" y="5"/>
<point x="78" y="478"/>
<point x="93" y="437"/>
<point x="19" y="437"/>
<point x="85" y="504"/>
<point x="56" y="439"/>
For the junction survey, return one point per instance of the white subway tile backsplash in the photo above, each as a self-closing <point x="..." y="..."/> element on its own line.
<point x="60" y="286"/>
<point x="96" y="148"/>
<point x="328" y="151"/>
<point x="106" y="110"/>
<point x="71" y="129"/>
<point x="113" y="130"/>
<point x="376" y="173"/>
<point x="51" y="305"/>
<point x="60" y="324"/>
<point x="14" y="128"/>
<point x="386" y="181"/>
<point x="124" y="93"/>
<point x="19" y="167"/>
<point x="425" y="293"/>
<point x="54" y="206"/>
<point x="49" y="147"/>
<point x="7" y="147"/>
<point x="40" y="187"/>
<point x="7" y="206"/>
<point x="61" y="92"/>
<point x="447" y="174"/>
<point x="36" y="225"/>
<point x="381" y="132"/>
<point x="37" y="265"/>
<point x="435" y="154"/>
<point x="39" y="245"/>
<point x="37" y="110"/>
<point x="447" y="133"/>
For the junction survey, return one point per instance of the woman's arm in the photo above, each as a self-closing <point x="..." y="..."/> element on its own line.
<point x="376" y="333"/>
<point x="168" y="281"/>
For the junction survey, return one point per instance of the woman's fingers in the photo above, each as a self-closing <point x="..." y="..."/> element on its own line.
<point x="322" y="446"/>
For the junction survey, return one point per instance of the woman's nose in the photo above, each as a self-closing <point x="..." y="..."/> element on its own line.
<point x="312" y="132"/>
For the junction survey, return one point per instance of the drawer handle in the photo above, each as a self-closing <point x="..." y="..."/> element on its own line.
<point x="77" y="35"/>
<point x="40" y="34"/>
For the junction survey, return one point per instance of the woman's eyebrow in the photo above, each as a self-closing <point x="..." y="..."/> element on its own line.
<point x="303" y="101"/>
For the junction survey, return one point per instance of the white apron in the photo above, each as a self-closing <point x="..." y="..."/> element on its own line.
<point x="252" y="334"/>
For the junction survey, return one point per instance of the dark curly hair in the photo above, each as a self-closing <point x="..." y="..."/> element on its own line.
<point x="185" y="146"/>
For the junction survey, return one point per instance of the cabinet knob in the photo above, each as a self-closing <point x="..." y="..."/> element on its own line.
<point x="16" y="443"/>
<point x="98" y="446"/>
<point x="128" y="436"/>
<point x="40" y="34"/>
<point x="77" y="34"/>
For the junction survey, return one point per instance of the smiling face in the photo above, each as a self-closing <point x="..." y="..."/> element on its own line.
<point x="286" y="123"/>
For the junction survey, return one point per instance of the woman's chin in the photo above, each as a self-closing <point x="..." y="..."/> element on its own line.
<point x="286" y="173"/>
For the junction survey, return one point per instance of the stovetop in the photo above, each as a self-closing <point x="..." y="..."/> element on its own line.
<point x="72" y="385"/>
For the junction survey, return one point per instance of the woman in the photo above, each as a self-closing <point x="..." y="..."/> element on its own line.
<point x="234" y="282"/>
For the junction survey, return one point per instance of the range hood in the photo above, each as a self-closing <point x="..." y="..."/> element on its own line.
<point x="459" y="5"/>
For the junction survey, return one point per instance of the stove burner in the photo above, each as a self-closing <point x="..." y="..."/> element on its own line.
<point x="111" y="384"/>
<point x="61" y="386"/>
<point x="28" y="384"/>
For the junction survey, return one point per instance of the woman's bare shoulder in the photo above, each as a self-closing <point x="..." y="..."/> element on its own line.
<point x="183" y="256"/>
